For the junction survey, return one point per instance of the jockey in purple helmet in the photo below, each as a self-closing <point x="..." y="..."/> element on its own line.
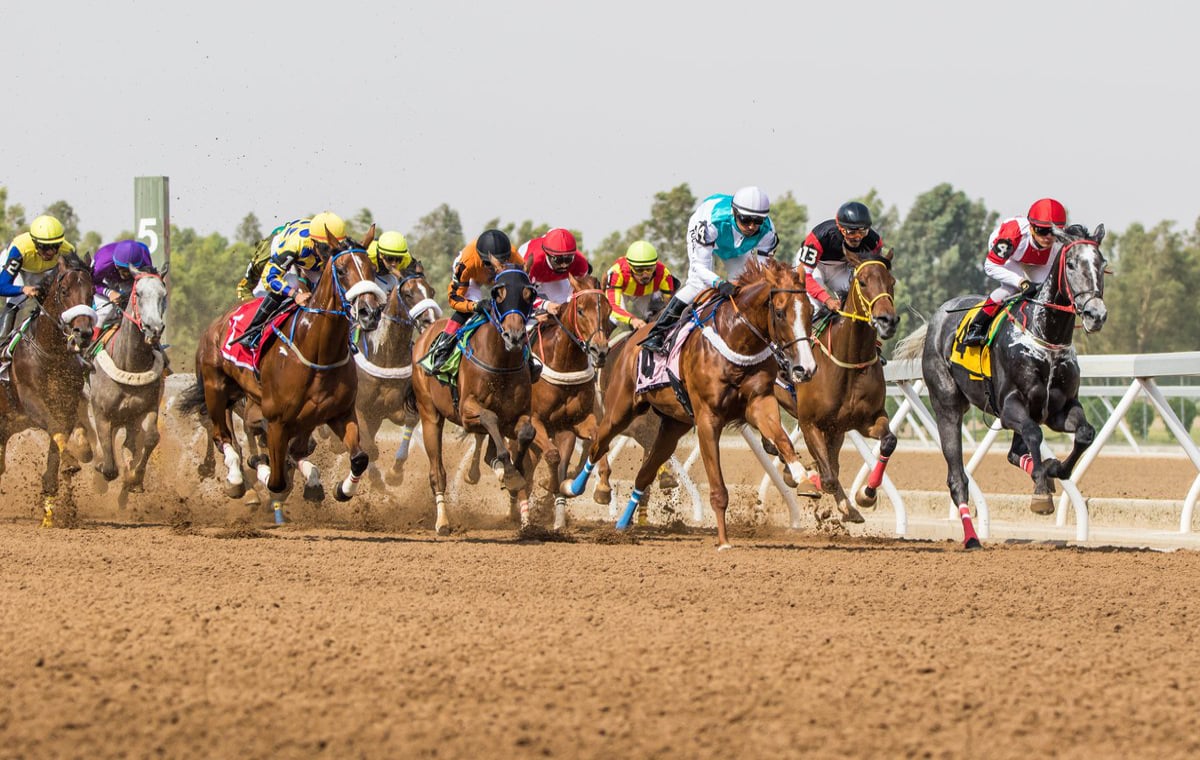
<point x="112" y="271"/>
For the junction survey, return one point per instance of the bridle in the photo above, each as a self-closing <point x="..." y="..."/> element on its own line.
<point x="778" y="350"/>
<point x="572" y="331"/>
<point x="864" y="308"/>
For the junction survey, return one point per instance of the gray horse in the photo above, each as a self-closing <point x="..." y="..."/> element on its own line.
<point x="126" y="383"/>
<point x="1034" y="374"/>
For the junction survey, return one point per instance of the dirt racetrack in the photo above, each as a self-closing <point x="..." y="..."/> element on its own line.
<point x="169" y="626"/>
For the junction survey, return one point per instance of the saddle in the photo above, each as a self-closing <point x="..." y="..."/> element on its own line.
<point x="976" y="360"/>
<point x="655" y="371"/>
<point x="239" y="354"/>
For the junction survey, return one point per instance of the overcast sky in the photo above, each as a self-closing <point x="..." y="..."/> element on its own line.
<point x="576" y="114"/>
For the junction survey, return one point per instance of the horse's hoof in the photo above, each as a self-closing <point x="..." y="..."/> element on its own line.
<point x="471" y="477"/>
<point x="600" y="495"/>
<point x="251" y="499"/>
<point x="394" y="477"/>
<point x="1042" y="504"/>
<point x="808" y="490"/>
<point x="515" y="481"/>
<point x="852" y="515"/>
<point x="972" y="543"/>
<point x="135" y="488"/>
<point x="667" y="481"/>
<point x="316" y="493"/>
<point x="443" y="530"/>
<point x="788" y="480"/>
<point x="109" y="475"/>
<point x="206" y="469"/>
<point x="866" y="497"/>
<point x="338" y="493"/>
<point x="724" y="547"/>
<point x="254" y="461"/>
<point x="235" y="490"/>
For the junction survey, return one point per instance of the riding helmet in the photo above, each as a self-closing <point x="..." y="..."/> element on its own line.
<point x="641" y="254"/>
<point x="751" y="201"/>
<point x="327" y="220"/>
<point x="854" y="216"/>
<point x="494" y="243"/>
<point x="46" y="230"/>
<point x="1047" y="212"/>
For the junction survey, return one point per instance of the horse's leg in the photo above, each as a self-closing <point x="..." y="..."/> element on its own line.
<point x="86" y="435"/>
<point x="299" y="451"/>
<point x="369" y="425"/>
<point x="819" y="448"/>
<point x="275" y="474"/>
<point x="763" y="413"/>
<point x="1015" y="417"/>
<point x="346" y="428"/>
<point x="603" y="492"/>
<point x="431" y="433"/>
<point x="1071" y="419"/>
<point x="106" y="465"/>
<point x="949" y="406"/>
<point x="147" y="437"/>
<point x="528" y="430"/>
<point x="708" y="429"/>
<point x="618" y="413"/>
<point x="665" y="441"/>
<point x="395" y="476"/>
<point x="216" y="398"/>
<point x="471" y="476"/>
<point x="868" y="494"/>
<point x="565" y="444"/>
<point x="848" y="511"/>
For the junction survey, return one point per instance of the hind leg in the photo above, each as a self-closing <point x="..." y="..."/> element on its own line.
<point x="1015" y="417"/>
<point x="431" y="434"/>
<point x="619" y="411"/>
<point x="346" y="428"/>
<point x="665" y="442"/>
<point x="146" y="439"/>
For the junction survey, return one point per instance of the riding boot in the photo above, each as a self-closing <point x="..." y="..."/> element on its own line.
<point x="8" y="318"/>
<point x="440" y="351"/>
<point x="667" y="319"/>
<point x="977" y="331"/>
<point x="254" y="330"/>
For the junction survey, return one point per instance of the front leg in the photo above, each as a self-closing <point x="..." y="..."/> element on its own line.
<point x="708" y="429"/>
<point x="106" y="465"/>
<point x="882" y="431"/>
<point x="346" y="428"/>
<point x="1071" y="419"/>
<point x="1015" y="417"/>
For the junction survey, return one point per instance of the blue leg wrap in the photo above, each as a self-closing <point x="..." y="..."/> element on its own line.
<point x="635" y="498"/>
<point x="580" y="481"/>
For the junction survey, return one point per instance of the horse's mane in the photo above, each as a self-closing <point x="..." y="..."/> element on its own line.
<point x="72" y="260"/>
<point x="770" y="272"/>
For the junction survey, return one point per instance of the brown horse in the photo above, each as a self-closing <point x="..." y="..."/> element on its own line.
<point x="385" y="366"/>
<point x="493" y="388"/>
<point x="571" y="346"/>
<point x="728" y="369"/>
<point x="48" y="373"/>
<point x="848" y="390"/>
<point x="307" y="378"/>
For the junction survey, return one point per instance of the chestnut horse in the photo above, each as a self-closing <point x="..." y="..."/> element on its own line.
<point x="493" y="388"/>
<point x="385" y="366"/>
<point x="728" y="367"/>
<point x="848" y="390"/>
<point x="307" y="378"/>
<point x="47" y="372"/>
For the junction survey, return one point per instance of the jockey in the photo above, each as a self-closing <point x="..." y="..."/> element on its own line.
<point x="114" y="279"/>
<point x="1020" y="253"/>
<point x="823" y="254"/>
<point x="730" y="227"/>
<point x="31" y="256"/>
<point x="254" y="269"/>
<point x="297" y="255"/>
<point x="390" y="255"/>
<point x="633" y="281"/>
<point x="471" y="273"/>
<point x="551" y="260"/>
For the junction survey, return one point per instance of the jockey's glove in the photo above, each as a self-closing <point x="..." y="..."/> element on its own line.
<point x="726" y="288"/>
<point x="1027" y="287"/>
<point x="482" y="306"/>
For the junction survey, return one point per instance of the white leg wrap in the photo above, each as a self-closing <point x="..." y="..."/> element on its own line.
<point x="524" y="512"/>
<point x="234" y="464"/>
<point x="312" y="476"/>
<point x="442" y="521"/>
<point x="560" y="512"/>
<point x="350" y="485"/>
<point x="498" y="468"/>
<point x="798" y="471"/>
<point x="264" y="473"/>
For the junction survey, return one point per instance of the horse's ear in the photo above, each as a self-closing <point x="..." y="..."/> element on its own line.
<point x="495" y="262"/>
<point x="134" y="270"/>
<point x="528" y="295"/>
<point x="889" y="254"/>
<point x="368" y="237"/>
<point x="165" y="268"/>
<point x="86" y="259"/>
<point x="1098" y="235"/>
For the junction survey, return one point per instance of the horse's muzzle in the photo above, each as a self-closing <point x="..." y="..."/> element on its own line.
<point x="599" y="355"/>
<point x="885" y="325"/>
<point x="799" y="374"/>
<point x="367" y="317"/>
<point x="1094" y="315"/>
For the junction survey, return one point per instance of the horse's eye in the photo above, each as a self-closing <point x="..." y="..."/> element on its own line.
<point x="1070" y="264"/>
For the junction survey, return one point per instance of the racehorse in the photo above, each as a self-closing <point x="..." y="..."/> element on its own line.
<point x="47" y="373"/>
<point x="126" y="383"/>
<point x="384" y="360"/>
<point x="492" y="392"/>
<point x="1034" y="374"/>
<point x="306" y="380"/>
<point x="571" y="346"/>
<point x="848" y="391"/>
<point x="728" y="374"/>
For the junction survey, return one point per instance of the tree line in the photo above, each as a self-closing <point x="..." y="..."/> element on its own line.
<point x="939" y="251"/>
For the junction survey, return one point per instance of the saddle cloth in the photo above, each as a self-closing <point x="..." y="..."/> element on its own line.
<point x="236" y="352"/>
<point x="976" y="360"/>
<point x="655" y="370"/>
<point x="447" y="373"/>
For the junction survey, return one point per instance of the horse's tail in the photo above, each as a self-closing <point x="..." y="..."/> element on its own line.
<point x="191" y="399"/>
<point x="912" y="345"/>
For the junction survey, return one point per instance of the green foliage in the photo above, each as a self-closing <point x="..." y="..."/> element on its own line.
<point x="1139" y="418"/>
<point x="435" y="241"/>
<point x="790" y="218"/>
<point x="203" y="273"/>
<point x="885" y="221"/>
<point x="940" y="249"/>
<point x="250" y="230"/>
<point x="357" y="226"/>
<point x="12" y="218"/>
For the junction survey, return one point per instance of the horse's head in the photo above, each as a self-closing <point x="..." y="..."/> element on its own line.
<point x="873" y="292"/>
<point x="69" y="301"/>
<point x="1080" y="276"/>
<point x="417" y="296"/>
<point x="361" y="297"/>
<point x="512" y="299"/>
<point x="148" y="306"/>
<point x="788" y="315"/>
<point x="587" y="317"/>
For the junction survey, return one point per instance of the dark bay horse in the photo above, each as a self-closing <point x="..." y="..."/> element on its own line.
<point x="126" y="384"/>
<point x="385" y="366"/>
<point x="307" y="378"/>
<point x="728" y="369"/>
<point x="47" y="373"/>
<point x="1034" y="372"/>
<point x="848" y="391"/>
<point x="493" y="388"/>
